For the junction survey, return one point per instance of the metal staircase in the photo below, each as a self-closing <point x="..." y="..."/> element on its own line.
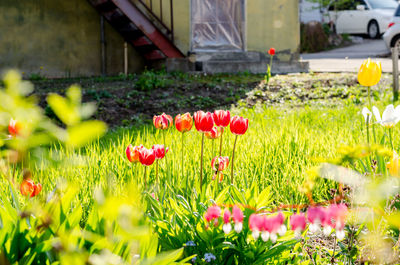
<point x="137" y="29"/>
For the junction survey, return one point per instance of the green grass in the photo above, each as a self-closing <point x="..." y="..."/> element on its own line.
<point x="277" y="150"/>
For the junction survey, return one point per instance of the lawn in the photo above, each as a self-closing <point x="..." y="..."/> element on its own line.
<point x="295" y="124"/>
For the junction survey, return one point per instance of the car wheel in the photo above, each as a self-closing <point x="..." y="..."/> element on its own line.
<point x="373" y="29"/>
<point x="395" y="43"/>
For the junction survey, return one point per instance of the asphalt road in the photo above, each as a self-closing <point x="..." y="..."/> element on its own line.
<point x="349" y="59"/>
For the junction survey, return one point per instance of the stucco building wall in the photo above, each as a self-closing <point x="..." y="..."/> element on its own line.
<point x="61" y="37"/>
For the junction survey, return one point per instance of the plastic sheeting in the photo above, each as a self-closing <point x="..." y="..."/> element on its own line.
<point x="218" y="25"/>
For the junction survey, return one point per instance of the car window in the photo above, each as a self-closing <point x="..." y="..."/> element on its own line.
<point x="397" y="13"/>
<point x="342" y="5"/>
<point x="384" y="4"/>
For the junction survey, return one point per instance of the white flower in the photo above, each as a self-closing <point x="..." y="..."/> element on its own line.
<point x="315" y="227"/>
<point x="340" y="234"/>
<point x="273" y="237"/>
<point x="367" y="115"/>
<point x="255" y="234"/>
<point x="265" y="236"/>
<point x="327" y="230"/>
<point x="282" y="230"/>
<point x="390" y="116"/>
<point x="227" y="228"/>
<point x="238" y="227"/>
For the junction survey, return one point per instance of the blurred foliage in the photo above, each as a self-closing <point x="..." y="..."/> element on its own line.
<point x="47" y="228"/>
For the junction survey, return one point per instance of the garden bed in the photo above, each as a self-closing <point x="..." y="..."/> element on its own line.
<point x="122" y="101"/>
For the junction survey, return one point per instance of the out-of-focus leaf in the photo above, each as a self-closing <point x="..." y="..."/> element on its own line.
<point x="85" y="132"/>
<point x="66" y="112"/>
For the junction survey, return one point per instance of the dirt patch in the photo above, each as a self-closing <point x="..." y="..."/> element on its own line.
<point x="126" y="101"/>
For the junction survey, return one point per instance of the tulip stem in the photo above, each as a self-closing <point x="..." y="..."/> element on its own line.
<point x="201" y="162"/>
<point x="391" y="138"/>
<point x="157" y="172"/>
<point x="182" y="170"/>
<point x="166" y="161"/>
<point x="220" y="144"/>
<point x="369" y="97"/>
<point x="144" y="176"/>
<point x="233" y="157"/>
<point x="367" y="123"/>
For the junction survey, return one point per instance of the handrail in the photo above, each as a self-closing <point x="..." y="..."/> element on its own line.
<point x="159" y="19"/>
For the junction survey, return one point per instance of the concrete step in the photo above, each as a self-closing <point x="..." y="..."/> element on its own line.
<point x="234" y="66"/>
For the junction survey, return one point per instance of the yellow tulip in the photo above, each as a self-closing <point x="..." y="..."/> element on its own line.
<point x="369" y="73"/>
<point x="393" y="165"/>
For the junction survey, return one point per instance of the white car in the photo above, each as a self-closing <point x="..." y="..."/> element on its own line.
<point x="392" y="34"/>
<point x="370" y="17"/>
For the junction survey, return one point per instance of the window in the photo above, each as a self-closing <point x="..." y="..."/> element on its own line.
<point x="383" y="4"/>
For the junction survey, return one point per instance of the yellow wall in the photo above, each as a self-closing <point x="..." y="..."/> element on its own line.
<point x="273" y="23"/>
<point x="63" y="37"/>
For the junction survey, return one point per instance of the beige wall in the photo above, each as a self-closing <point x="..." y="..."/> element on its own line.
<point x="63" y="37"/>
<point x="270" y="23"/>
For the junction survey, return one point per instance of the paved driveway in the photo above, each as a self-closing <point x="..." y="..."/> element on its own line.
<point x="349" y="59"/>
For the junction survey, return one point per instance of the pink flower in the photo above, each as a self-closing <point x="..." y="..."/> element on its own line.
<point x="298" y="223"/>
<point x="256" y="223"/>
<point x="227" y="216"/>
<point x="212" y="213"/>
<point x="316" y="216"/>
<point x="338" y="213"/>
<point x="237" y="217"/>
<point x="227" y="225"/>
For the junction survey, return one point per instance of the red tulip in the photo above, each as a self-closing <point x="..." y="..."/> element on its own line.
<point x="271" y="51"/>
<point x="132" y="153"/>
<point x="146" y="156"/>
<point x="239" y="125"/>
<point x="220" y="163"/>
<point x="222" y="118"/>
<point x="160" y="151"/>
<point x="162" y="121"/>
<point x="215" y="133"/>
<point x="38" y="188"/>
<point x="29" y="188"/>
<point x="14" y="127"/>
<point x="184" y="122"/>
<point x="203" y="121"/>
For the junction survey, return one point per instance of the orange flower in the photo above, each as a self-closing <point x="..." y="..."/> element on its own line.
<point x="14" y="127"/>
<point x="162" y="121"/>
<point x="132" y="153"/>
<point x="184" y="122"/>
<point x="215" y="133"/>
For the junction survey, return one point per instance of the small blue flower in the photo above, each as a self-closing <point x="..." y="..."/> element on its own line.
<point x="190" y="244"/>
<point x="208" y="257"/>
<point x="194" y="260"/>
